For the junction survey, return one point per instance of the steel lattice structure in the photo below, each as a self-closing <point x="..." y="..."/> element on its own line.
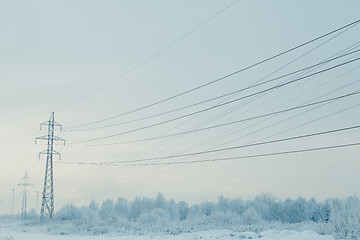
<point x="47" y="205"/>
<point x="24" y="184"/>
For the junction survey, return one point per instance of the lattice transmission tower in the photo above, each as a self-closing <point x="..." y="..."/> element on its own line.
<point x="25" y="183"/>
<point x="47" y="204"/>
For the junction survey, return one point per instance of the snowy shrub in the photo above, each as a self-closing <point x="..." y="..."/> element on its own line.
<point x="68" y="213"/>
<point x="91" y="212"/>
<point x="251" y="216"/>
<point x="206" y="208"/>
<point x="237" y="205"/>
<point x="226" y="219"/>
<point x="154" y="216"/>
<point x="32" y="215"/>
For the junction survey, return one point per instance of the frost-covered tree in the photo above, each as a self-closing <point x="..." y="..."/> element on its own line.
<point x="251" y="216"/>
<point x="93" y="206"/>
<point x="68" y="213"/>
<point x="32" y="215"/>
<point x="313" y="211"/>
<point x="223" y="204"/>
<point x="160" y="201"/>
<point x="139" y="205"/>
<point x="183" y="210"/>
<point x="262" y="203"/>
<point x="238" y="206"/>
<point x="338" y="217"/>
<point x="206" y="208"/>
<point x="345" y="218"/>
<point x="106" y="209"/>
<point x="135" y="208"/>
<point x="294" y="211"/>
<point x="172" y="209"/>
<point x="325" y="211"/>
<point x="275" y="211"/>
<point x="91" y="212"/>
<point x="121" y="208"/>
<point x="154" y="216"/>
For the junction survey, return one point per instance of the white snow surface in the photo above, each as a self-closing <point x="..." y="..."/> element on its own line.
<point x="10" y="234"/>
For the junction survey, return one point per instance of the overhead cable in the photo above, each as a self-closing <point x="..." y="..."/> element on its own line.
<point x="221" y="149"/>
<point x="223" y="77"/>
<point x="220" y="105"/>
<point x="221" y="96"/>
<point x="228" y="123"/>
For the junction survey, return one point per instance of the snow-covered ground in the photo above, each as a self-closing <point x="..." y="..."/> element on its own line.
<point x="7" y="233"/>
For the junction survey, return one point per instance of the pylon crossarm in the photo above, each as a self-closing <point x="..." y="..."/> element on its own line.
<point x="44" y="152"/>
<point x="55" y="138"/>
<point x="56" y="152"/>
<point x="45" y="137"/>
<point x="44" y="123"/>
<point x="47" y="123"/>
<point x="58" y="125"/>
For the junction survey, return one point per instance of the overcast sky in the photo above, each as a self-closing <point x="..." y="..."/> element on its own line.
<point x="91" y="60"/>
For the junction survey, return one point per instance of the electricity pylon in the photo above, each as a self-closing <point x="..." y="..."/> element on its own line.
<point x="25" y="183"/>
<point x="47" y="204"/>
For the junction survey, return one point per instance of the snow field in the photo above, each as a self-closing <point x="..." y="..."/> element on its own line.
<point x="10" y="234"/>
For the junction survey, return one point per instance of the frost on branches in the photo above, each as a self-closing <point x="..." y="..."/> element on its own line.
<point x="143" y="215"/>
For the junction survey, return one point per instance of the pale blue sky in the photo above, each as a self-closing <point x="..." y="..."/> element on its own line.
<point x="53" y="53"/>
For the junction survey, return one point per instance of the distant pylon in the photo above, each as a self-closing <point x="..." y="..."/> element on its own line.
<point x="25" y="183"/>
<point x="47" y="204"/>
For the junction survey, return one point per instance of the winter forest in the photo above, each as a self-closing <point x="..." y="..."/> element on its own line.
<point x="143" y="215"/>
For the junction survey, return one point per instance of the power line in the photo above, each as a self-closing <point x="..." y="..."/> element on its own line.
<point x="318" y="96"/>
<point x="155" y="55"/>
<point x="219" y="105"/>
<point x="232" y="110"/>
<point x="262" y="138"/>
<point x="221" y="149"/>
<point x="19" y="161"/>
<point x="222" y="78"/>
<point x="254" y="156"/>
<point x="231" y="123"/>
<point x="137" y="176"/>
<point x="285" y="130"/>
<point x="221" y="96"/>
<point x="266" y="119"/>
<point x="349" y="49"/>
<point x="240" y="157"/>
